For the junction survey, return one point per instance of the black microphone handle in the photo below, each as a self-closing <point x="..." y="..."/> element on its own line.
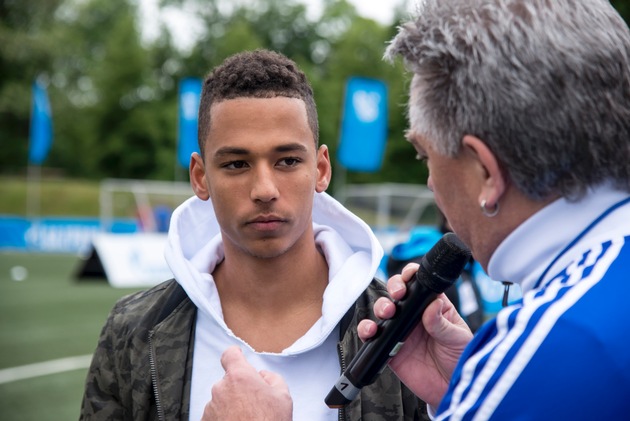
<point x="439" y="269"/>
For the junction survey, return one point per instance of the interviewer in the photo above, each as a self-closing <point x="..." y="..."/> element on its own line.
<point x="522" y="110"/>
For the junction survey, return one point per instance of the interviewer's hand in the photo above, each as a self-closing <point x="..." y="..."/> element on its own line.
<point x="246" y="394"/>
<point x="426" y="361"/>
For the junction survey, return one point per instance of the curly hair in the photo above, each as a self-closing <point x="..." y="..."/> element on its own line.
<point x="255" y="74"/>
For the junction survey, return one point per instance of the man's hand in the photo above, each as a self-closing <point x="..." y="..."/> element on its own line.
<point x="426" y="361"/>
<point x="246" y="394"/>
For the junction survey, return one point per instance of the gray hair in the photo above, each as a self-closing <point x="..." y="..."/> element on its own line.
<point x="544" y="83"/>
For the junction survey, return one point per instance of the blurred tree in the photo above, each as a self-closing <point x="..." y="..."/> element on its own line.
<point x="114" y="96"/>
<point x="359" y="52"/>
<point x="120" y="94"/>
<point x="280" y="25"/>
<point x="26" y="51"/>
<point x="623" y="7"/>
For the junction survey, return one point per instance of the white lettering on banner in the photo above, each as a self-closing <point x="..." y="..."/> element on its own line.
<point x="60" y="237"/>
<point x="366" y="105"/>
<point x="190" y="104"/>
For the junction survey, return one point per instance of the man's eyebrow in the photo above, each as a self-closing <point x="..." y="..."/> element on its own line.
<point x="232" y="150"/>
<point x="229" y="150"/>
<point x="292" y="147"/>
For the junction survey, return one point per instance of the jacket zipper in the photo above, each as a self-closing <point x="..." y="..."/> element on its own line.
<point x="342" y="359"/>
<point x="154" y="378"/>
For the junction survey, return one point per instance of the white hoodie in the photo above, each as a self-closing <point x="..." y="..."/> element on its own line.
<point x="310" y="366"/>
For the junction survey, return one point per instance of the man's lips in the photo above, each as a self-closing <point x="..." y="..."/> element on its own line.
<point x="266" y="223"/>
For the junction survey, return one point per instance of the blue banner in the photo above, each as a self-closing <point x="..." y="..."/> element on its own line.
<point x="55" y="235"/>
<point x="364" y="125"/>
<point x="41" y="125"/>
<point x="189" y="95"/>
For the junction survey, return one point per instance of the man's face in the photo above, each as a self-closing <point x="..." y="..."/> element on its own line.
<point x="446" y="180"/>
<point x="452" y="179"/>
<point x="261" y="170"/>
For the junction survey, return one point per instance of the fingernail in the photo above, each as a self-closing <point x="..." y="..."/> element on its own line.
<point x="396" y="288"/>
<point x="386" y="306"/>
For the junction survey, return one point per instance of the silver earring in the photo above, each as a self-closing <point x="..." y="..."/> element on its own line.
<point x="489" y="213"/>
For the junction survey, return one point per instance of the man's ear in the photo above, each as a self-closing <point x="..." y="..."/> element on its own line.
<point x="197" y="172"/>
<point x="493" y="181"/>
<point x="324" y="169"/>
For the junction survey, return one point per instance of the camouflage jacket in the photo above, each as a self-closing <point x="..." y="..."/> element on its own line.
<point x="142" y="367"/>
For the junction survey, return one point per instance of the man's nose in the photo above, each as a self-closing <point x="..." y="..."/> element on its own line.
<point x="264" y="186"/>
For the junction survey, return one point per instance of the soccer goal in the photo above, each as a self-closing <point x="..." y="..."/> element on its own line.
<point x="149" y="202"/>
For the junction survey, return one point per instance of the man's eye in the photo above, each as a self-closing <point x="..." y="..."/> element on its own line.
<point x="235" y="165"/>
<point x="289" y="162"/>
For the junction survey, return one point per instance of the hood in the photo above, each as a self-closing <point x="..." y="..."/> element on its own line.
<point x="353" y="253"/>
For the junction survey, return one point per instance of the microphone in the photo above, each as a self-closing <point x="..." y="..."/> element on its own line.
<point x="439" y="269"/>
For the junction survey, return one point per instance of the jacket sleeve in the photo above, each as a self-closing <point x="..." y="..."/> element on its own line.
<point x="119" y="383"/>
<point x="101" y="399"/>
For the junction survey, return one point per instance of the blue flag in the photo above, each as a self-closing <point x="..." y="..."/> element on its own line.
<point x="189" y="96"/>
<point x="364" y="125"/>
<point x="41" y="125"/>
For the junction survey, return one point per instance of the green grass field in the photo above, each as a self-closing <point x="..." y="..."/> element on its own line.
<point x="47" y="316"/>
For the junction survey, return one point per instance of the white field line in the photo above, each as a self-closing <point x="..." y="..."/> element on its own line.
<point x="61" y="365"/>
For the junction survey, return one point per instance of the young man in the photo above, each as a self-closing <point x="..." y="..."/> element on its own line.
<point x="264" y="260"/>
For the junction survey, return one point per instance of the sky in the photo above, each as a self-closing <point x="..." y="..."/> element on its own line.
<point x="182" y="25"/>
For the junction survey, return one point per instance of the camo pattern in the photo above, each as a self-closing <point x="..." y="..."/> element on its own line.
<point x="387" y="399"/>
<point x="141" y="369"/>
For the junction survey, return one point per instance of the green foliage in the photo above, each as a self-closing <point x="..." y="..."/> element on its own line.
<point x="623" y="7"/>
<point x="27" y="49"/>
<point x="355" y="54"/>
<point x="112" y="98"/>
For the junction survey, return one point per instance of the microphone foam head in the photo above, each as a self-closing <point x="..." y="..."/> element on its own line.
<point x="446" y="260"/>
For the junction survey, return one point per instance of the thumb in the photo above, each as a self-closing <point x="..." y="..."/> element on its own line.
<point x="433" y="320"/>
<point x="233" y="359"/>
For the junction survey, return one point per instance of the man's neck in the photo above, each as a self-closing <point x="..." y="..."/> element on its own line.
<point x="270" y="303"/>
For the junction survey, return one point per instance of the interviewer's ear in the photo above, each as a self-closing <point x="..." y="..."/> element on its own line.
<point x="493" y="181"/>
<point x="197" y="173"/>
